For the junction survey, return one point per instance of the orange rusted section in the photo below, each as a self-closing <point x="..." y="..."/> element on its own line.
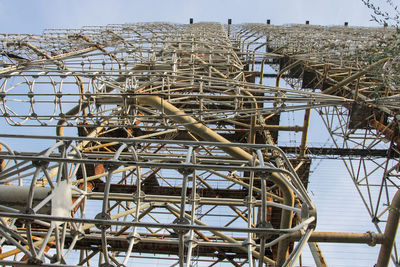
<point x="90" y="186"/>
<point x="2" y="163"/>
<point x="389" y="133"/>
<point x="46" y="249"/>
<point x="11" y="253"/>
<point x="99" y="169"/>
<point x="269" y="209"/>
<point x="137" y="122"/>
<point x="17" y="250"/>
<point x="99" y="47"/>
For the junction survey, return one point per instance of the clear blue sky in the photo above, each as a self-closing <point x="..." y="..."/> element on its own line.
<point x="27" y="16"/>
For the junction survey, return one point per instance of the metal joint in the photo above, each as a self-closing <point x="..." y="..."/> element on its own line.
<point x="110" y="167"/>
<point x="181" y="221"/>
<point x="264" y="225"/>
<point x="195" y="199"/>
<point x="78" y="233"/>
<point x="102" y="216"/>
<point x="35" y="261"/>
<point x="40" y="163"/>
<point x="29" y="211"/>
<point x="139" y="196"/>
<point x="194" y="241"/>
<point x="67" y="143"/>
<point x="373" y="236"/>
<point x="135" y="236"/>
<point x="262" y="174"/>
<point x="185" y="171"/>
<point x="248" y="242"/>
<point x="247" y="200"/>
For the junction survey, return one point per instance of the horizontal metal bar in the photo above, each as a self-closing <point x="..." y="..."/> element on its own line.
<point x="369" y="238"/>
<point x="260" y="230"/>
<point x="341" y="151"/>
<point x="134" y="141"/>
<point x="148" y="164"/>
<point x="176" y="199"/>
<point x="26" y="264"/>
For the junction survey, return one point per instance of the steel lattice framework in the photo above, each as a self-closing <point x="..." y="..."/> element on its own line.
<point x="163" y="141"/>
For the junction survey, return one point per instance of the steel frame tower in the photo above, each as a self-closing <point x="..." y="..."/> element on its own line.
<point x="160" y="142"/>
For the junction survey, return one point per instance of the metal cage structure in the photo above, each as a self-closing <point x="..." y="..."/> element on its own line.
<point x="160" y="141"/>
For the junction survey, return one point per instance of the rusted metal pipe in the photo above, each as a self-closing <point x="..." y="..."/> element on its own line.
<point x="16" y="197"/>
<point x="369" y="238"/>
<point x="353" y="77"/>
<point x="192" y="125"/>
<point x="207" y="134"/>
<point x="390" y="232"/>
<point x="389" y="133"/>
<point x="303" y="145"/>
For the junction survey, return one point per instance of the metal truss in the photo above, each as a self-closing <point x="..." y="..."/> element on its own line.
<point x="163" y="141"/>
<point x="337" y="61"/>
<point x="184" y="217"/>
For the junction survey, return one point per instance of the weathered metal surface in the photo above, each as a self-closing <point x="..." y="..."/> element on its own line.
<point x="165" y="135"/>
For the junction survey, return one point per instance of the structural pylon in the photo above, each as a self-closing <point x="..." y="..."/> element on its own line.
<point x="161" y="142"/>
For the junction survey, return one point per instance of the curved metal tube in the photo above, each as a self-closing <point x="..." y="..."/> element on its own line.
<point x="192" y="125"/>
<point x="209" y="135"/>
<point x="84" y="104"/>
<point x="105" y="204"/>
<point x="282" y="71"/>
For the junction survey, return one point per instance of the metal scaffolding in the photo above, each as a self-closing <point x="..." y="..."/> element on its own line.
<point x="160" y="141"/>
